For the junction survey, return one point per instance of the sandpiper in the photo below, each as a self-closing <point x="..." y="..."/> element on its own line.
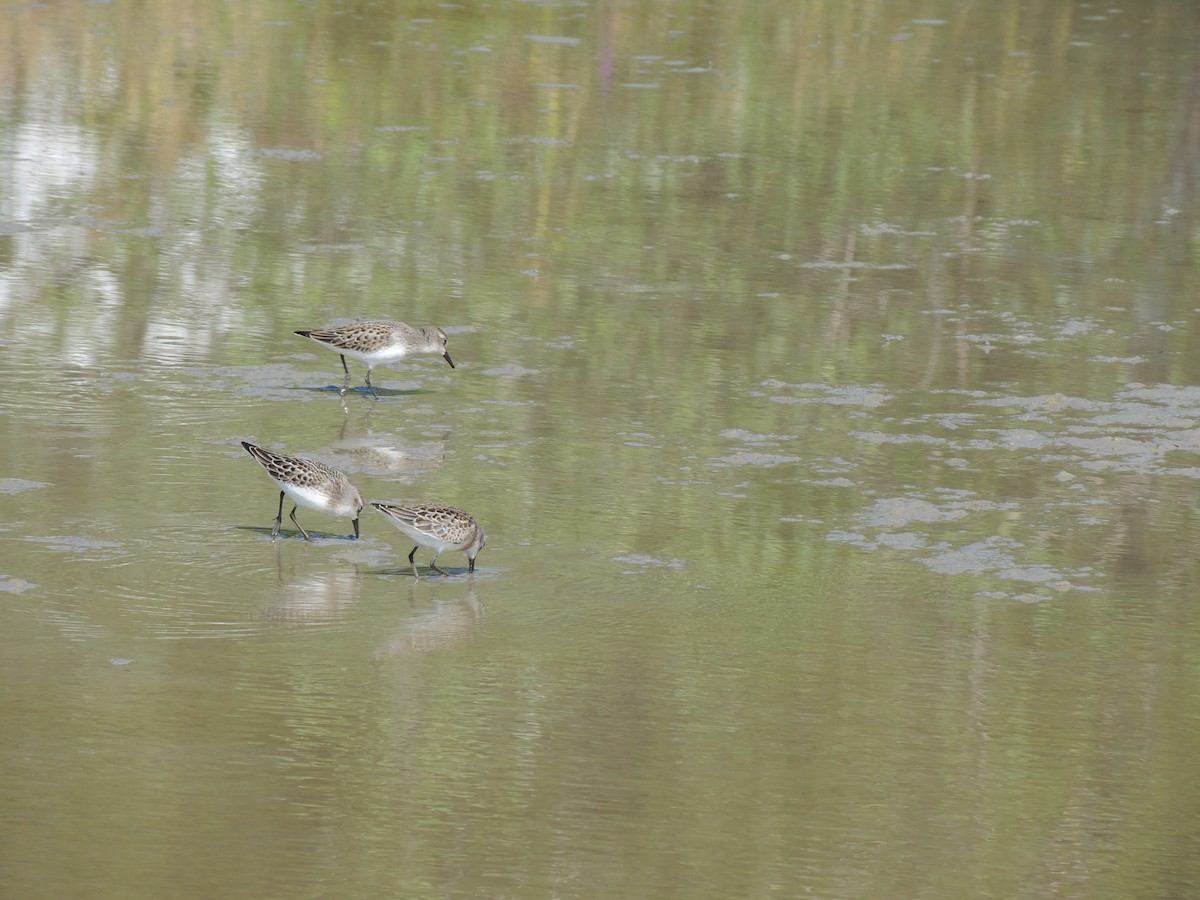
<point x="309" y="483"/>
<point x="378" y="343"/>
<point x="439" y="528"/>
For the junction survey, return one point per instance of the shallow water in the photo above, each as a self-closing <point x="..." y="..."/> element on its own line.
<point x="826" y="384"/>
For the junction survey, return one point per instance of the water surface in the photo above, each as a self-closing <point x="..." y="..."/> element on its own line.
<point x="826" y="384"/>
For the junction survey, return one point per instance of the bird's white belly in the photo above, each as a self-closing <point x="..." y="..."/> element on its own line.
<point x="380" y="357"/>
<point x="310" y="497"/>
<point x="435" y="544"/>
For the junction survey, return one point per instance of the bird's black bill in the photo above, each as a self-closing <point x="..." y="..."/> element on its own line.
<point x="356" y="529"/>
<point x="446" y="357"/>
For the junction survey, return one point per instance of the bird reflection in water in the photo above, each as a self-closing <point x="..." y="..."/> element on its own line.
<point x="316" y="596"/>
<point x="384" y="453"/>
<point x="434" y="624"/>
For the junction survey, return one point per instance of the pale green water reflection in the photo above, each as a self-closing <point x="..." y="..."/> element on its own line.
<point x="827" y="387"/>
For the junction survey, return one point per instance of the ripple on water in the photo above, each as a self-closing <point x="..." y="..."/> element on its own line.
<point x="90" y="548"/>
<point x="17" y="485"/>
<point x="643" y="562"/>
<point x="834" y="395"/>
<point x="436" y="624"/>
<point x="215" y="581"/>
<point x="896" y="511"/>
<point x="750" y="437"/>
<point x="752" y="458"/>
<point x="10" y="584"/>
<point x="511" y="371"/>
<point x="315" y="597"/>
<point x="1141" y="430"/>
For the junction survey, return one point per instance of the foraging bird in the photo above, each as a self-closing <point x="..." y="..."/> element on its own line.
<point x="439" y="528"/>
<point x="378" y="343"/>
<point x="309" y="483"/>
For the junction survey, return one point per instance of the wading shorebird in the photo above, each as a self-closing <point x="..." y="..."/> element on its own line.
<point x="439" y="528"/>
<point x="310" y="484"/>
<point x="379" y="343"/>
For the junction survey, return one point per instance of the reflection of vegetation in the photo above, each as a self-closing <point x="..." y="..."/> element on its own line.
<point x="450" y="146"/>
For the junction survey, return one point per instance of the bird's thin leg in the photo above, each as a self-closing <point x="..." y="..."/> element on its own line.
<point x="433" y="564"/>
<point x="278" y="518"/>
<point x="346" y="381"/>
<point x="298" y="525"/>
<point x="370" y="386"/>
<point x="345" y="368"/>
<point x="413" y="561"/>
